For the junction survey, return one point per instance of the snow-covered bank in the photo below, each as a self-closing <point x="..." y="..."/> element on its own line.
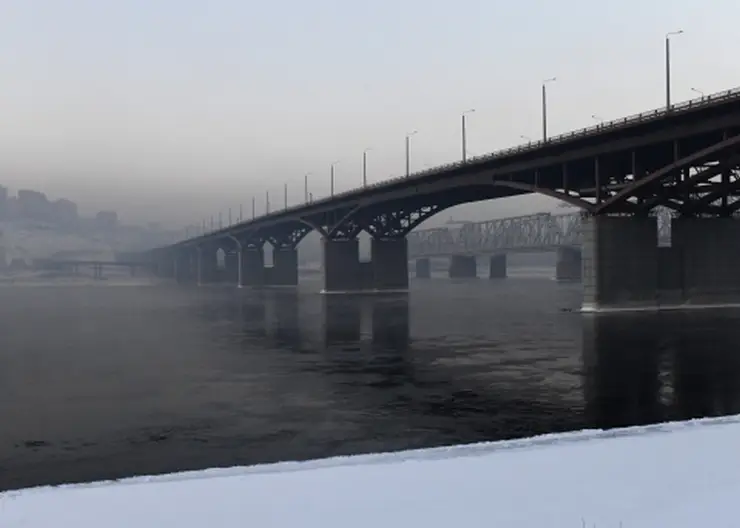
<point x="678" y="475"/>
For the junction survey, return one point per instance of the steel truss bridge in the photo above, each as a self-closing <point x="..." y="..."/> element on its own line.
<point x="537" y="232"/>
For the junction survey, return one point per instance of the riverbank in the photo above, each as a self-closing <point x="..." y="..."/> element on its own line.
<point x="680" y="475"/>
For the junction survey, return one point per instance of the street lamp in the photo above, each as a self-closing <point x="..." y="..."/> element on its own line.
<point x="544" y="106"/>
<point x="408" y="153"/>
<point x="364" y="166"/>
<point x="698" y="91"/>
<point x="668" y="66"/>
<point x="332" y="177"/>
<point x="596" y="118"/>
<point x="285" y="195"/>
<point x="526" y="138"/>
<point x="464" y="134"/>
<point x="305" y="187"/>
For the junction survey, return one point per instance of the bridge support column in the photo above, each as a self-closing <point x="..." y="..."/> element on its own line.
<point x="463" y="267"/>
<point x="164" y="265"/>
<point x="568" y="264"/>
<point x="709" y="253"/>
<point x="253" y="267"/>
<point x="497" y="266"/>
<point x="284" y="270"/>
<point x="388" y="269"/>
<point x="423" y="268"/>
<point x="231" y="267"/>
<point x="341" y="263"/>
<point x="620" y="262"/>
<point x="207" y="265"/>
<point x="390" y="264"/>
<point x="183" y="267"/>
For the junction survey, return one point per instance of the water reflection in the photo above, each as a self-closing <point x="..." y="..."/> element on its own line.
<point x="192" y="378"/>
<point x="651" y="368"/>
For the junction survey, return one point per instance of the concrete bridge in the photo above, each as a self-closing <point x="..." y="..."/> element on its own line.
<point x="684" y="157"/>
<point x="467" y="241"/>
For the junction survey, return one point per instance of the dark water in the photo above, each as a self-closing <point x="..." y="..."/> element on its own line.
<point x="105" y="382"/>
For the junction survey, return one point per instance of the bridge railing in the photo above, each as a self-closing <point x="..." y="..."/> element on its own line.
<point x="650" y="115"/>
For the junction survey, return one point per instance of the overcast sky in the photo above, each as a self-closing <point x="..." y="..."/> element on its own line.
<point x="175" y="109"/>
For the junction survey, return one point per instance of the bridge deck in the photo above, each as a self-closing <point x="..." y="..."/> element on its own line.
<point x="525" y="168"/>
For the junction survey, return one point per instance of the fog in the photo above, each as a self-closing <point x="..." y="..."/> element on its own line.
<point x="175" y="111"/>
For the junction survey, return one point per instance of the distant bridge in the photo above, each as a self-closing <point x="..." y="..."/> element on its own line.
<point x="537" y="232"/>
<point x="96" y="265"/>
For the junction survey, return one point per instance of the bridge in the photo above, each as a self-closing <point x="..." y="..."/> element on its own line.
<point x="496" y="238"/>
<point x="684" y="157"/>
<point x="97" y="266"/>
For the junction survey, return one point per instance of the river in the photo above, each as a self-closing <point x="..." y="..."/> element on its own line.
<point x="101" y="382"/>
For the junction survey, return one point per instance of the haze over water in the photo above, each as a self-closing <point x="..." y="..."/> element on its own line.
<point x="105" y="382"/>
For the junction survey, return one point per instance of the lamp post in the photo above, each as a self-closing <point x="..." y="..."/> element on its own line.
<point x="696" y="90"/>
<point x="464" y="134"/>
<point x="331" y="178"/>
<point x="668" y="66"/>
<point x="544" y="106"/>
<point x="408" y="152"/>
<point x="305" y="187"/>
<point x="364" y="166"/>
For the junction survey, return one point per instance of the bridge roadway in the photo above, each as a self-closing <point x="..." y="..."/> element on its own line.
<point x="496" y="238"/>
<point x="685" y="157"/>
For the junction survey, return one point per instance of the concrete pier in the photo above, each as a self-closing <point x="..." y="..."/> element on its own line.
<point x="568" y="264"/>
<point x="253" y="267"/>
<point x="386" y="271"/>
<point x="184" y="267"/>
<point x="341" y="263"/>
<point x="463" y="267"/>
<point x="708" y="254"/>
<point x="620" y="262"/>
<point x="390" y="264"/>
<point x="497" y="266"/>
<point x="207" y="265"/>
<point x="230" y="273"/>
<point x="284" y="269"/>
<point x="623" y="267"/>
<point x="423" y="268"/>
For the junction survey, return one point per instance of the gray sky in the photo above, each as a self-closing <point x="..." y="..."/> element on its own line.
<point x="176" y="109"/>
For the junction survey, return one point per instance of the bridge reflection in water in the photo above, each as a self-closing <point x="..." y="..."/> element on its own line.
<point x="169" y="379"/>
<point x="630" y="369"/>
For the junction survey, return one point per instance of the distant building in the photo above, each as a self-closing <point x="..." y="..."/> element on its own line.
<point x="3" y="253"/>
<point x="3" y="202"/>
<point x="65" y="212"/>
<point x="34" y="205"/>
<point x="106" y="220"/>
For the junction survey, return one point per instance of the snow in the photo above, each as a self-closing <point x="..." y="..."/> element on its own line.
<point x="678" y="475"/>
